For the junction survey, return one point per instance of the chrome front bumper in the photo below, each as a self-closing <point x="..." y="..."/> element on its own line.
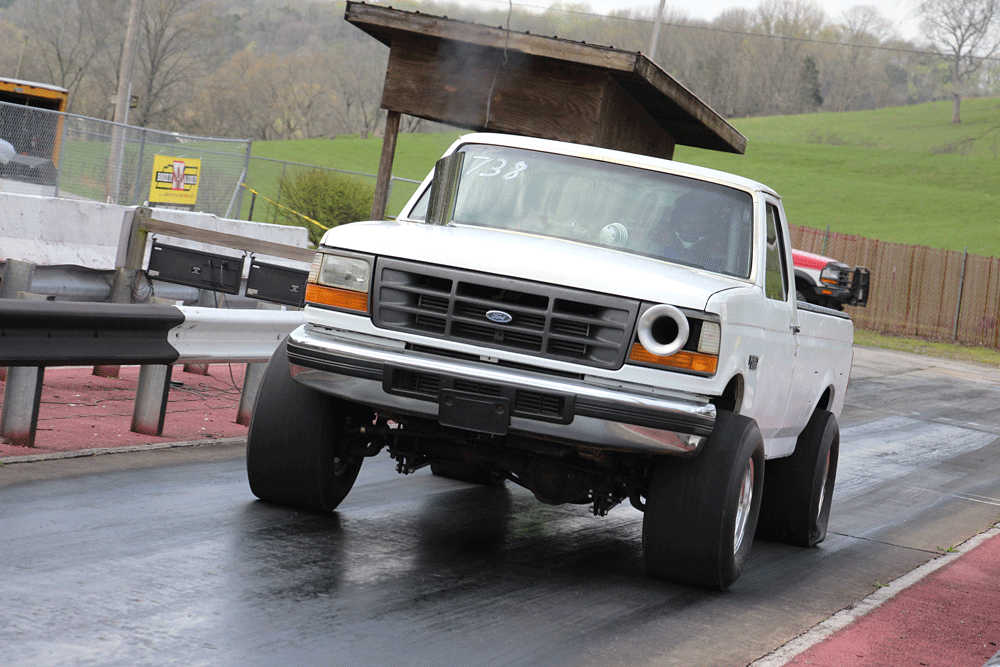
<point x="591" y="416"/>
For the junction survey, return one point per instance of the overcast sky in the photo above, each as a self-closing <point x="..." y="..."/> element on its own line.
<point x="900" y="12"/>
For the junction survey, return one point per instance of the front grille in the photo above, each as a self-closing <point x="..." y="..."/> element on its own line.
<point x="544" y="320"/>
<point x="412" y="382"/>
<point x="542" y="405"/>
<point x="477" y="388"/>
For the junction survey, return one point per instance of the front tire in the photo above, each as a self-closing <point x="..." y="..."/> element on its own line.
<point x="296" y="447"/>
<point x="701" y="513"/>
<point x="799" y="489"/>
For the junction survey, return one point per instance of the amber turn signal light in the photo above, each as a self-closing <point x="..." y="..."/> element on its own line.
<point x="690" y="361"/>
<point x="337" y="298"/>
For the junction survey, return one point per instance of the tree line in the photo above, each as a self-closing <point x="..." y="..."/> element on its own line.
<point x="288" y="69"/>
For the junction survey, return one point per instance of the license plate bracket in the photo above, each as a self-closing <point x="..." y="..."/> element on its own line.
<point x="473" y="412"/>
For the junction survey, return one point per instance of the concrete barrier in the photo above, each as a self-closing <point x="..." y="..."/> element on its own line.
<point x="93" y="251"/>
<point x="54" y="231"/>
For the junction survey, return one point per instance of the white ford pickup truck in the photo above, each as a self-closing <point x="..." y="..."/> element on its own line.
<point x="592" y="325"/>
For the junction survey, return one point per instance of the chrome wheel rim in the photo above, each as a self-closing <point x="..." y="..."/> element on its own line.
<point x="743" y="507"/>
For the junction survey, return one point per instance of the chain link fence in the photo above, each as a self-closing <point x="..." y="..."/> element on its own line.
<point x="263" y="203"/>
<point x="63" y="155"/>
<point x="918" y="291"/>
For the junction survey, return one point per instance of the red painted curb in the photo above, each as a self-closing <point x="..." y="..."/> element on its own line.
<point x="950" y="618"/>
<point x="82" y="411"/>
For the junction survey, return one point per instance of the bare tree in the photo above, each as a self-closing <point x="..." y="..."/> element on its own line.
<point x="779" y="59"/>
<point x="307" y="99"/>
<point x="13" y="42"/>
<point x="62" y="51"/>
<point x="237" y="99"/>
<point x="176" y="51"/>
<point x="723" y="72"/>
<point x="358" y="85"/>
<point x="856" y="76"/>
<point x="967" y="33"/>
<point x="271" y="97"/>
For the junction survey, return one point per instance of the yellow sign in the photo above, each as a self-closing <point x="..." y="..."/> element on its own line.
<point x="175" y="181"/>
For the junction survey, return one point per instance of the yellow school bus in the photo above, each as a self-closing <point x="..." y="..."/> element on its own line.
<point x="34" y="133"/>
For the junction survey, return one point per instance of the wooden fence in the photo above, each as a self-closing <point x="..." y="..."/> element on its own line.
<point x="918" y="291"/>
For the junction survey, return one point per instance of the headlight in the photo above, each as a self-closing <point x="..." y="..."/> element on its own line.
<point x="352" y="273"/>
<point x="830" y="275"/>
<point x="710" y="338"/>
<point x="666" y="337"/>
<point x="340" y="281"/>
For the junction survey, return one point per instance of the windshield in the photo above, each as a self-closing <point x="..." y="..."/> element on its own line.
<point x="676" y="218"/>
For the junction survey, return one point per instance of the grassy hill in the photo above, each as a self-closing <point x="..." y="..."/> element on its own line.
<point x="903" y="174"/>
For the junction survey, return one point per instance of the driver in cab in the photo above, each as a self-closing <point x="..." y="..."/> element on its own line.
<point x="693" y="233"/>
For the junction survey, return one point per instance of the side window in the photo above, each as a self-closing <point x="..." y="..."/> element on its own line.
<point x="419" y="211"/>
<point x="775" y="275"/>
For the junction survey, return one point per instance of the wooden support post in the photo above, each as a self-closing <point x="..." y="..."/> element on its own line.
<point x="385" y="165"/>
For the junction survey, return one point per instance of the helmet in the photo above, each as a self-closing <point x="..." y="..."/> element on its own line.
<point x="688" y="220"/>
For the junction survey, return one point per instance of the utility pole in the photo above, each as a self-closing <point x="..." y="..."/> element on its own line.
<point x="117" y="154"/>
<point x="656" y="31"/>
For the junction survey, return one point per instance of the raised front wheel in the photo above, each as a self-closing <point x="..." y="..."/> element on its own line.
<point x="701" y="514"/>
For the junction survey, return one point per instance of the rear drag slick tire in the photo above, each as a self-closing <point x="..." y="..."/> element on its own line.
<point x="799" y="489"/>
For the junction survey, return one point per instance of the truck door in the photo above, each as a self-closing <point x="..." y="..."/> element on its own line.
<point x="780" y="346"/>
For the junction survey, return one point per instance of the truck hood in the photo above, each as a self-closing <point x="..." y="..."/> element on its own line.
<point x="529" y="257"/>
<point x="810" y="260"/>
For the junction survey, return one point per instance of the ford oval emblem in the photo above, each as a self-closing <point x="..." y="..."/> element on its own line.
<point x="498" y="316"/>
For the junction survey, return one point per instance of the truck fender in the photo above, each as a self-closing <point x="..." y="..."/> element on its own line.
<point x="731" y="398"/>
<point x="803" y="276"/>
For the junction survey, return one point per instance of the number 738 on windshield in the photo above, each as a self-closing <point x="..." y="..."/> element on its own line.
<point x="489" y="167"/>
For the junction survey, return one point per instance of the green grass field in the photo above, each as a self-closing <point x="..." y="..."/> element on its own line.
<point x="903" y="174"/>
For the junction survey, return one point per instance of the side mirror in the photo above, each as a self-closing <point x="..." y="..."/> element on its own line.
<point x="444" y="189"/>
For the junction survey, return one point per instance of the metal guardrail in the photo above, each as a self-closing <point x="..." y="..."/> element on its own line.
<point x="38" y="334"/>
<point x="52" y="333"/>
